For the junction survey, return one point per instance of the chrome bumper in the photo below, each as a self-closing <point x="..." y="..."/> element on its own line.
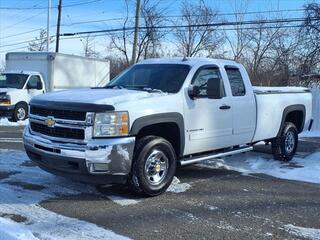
<point x="98" y="156"/>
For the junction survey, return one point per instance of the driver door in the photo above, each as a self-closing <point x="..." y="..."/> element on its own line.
<point x="208" y="121"/>
<point x="34" y="86"/>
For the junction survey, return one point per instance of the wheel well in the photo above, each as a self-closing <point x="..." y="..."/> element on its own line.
<point x="22" y="102"/>
<point x="296" y="117"/>
<point x="169" y="131"/>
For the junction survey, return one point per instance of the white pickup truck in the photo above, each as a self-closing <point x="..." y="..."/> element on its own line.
<point x="158" y="114"/>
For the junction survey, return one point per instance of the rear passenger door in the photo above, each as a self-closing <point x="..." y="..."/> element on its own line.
<point x="243" y="105"/>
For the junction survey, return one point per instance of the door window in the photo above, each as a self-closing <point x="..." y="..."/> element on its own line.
<point x="236" y="81"/>
<point x="34" y="82"/>
<point x="202" y="77"/>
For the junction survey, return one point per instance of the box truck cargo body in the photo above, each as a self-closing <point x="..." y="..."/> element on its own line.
<point x="28" y="74"/>
<point x="61" y="71"/>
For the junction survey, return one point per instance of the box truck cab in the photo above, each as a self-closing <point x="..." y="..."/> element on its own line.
<point x="28" y="74"/>
<point x="16" y="90"/>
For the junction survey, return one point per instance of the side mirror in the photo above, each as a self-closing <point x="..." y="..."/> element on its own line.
<point x="39" y="85"/>
<point x="193" y="91"/>
<point x="215" y="88"/>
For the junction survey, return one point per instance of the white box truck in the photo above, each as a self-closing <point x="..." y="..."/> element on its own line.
<point x="28" y="74"/>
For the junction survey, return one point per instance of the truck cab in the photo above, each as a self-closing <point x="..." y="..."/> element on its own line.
<point x="16" y="90"/>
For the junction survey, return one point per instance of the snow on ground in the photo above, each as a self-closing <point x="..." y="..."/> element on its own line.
<point x="301" y="168"/>
<point x="309" y="233"/>
<point x="6" y="122"/>
<point x="178" y="187"/>
<point x="27" y="186"/>
<point x="20" y="195"/>
<point x="315" y="133"/>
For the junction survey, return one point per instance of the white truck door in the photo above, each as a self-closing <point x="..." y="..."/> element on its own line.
<point x="243" y="105"/>
<point x="34" y="86"/>
<point x="208" y="121"/>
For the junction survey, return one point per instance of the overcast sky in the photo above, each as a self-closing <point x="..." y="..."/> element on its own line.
<point x="14" y="21"/>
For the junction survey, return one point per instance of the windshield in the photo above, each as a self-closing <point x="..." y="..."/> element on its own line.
<point x="11" y="80"/>
<point x="162" y="77"/>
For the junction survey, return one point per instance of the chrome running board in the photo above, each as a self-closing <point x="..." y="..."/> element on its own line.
<point x="191" y="160"/>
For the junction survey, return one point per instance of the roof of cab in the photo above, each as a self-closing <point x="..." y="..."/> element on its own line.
<point x="21" y="72"/>
<point x="187" y="61"/>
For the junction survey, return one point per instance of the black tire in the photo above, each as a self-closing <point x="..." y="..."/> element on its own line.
<point x="283" y="148"/>
<point x="19" y="109"/>
<point x="140" y="180"/>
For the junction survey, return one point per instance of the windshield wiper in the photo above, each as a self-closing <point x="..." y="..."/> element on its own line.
<point x="146" y="89"/>
<point x="115" y="86"/>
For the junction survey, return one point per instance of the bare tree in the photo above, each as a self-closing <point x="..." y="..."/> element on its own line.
<point x="308" y="57"/>
<point x="238" y="39"/>
<point x="88" y="47"/>
<point x="194" y="39"/>
<point x="40" y="42"/>
<point x="260" y="52"/>
<point x="149" y="42"/>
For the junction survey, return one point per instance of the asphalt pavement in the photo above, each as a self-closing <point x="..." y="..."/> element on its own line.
<point x="220" y="203"/>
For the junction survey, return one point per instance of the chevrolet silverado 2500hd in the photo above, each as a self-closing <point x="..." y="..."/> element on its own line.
<point x="158" y="114"/>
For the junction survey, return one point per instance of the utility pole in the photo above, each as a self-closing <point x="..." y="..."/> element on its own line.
<point x="48" y="25"/>
<point x="58" y="25"/>
<point x="136" y="33"/>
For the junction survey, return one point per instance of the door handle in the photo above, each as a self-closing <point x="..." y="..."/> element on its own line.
<point x="225" y="107"/>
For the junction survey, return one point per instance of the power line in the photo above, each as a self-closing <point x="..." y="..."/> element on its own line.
<point x="35" y="7"/>
<point x="104" y="34"/>
<point x="236" y="23"/>
<point x="221" y="24"/>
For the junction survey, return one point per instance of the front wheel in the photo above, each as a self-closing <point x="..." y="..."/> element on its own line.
<point x="20" y="112"/>
<point x="154" y="166"/>
<point x="285" y="146"/>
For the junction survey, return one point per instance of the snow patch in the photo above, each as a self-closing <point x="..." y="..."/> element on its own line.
<point x="41" y="223"/>
<point x="301" y="168"/>
<point x="11" y="230"/>
<point x="310" y="233"/>
<point x="122" y="200"/>
<point x="6" y="122"/>
<point x="213" y="208"/>
<point x="178" y="187"/>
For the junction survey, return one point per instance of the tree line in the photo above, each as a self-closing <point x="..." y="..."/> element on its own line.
<point x="277" y="54"/>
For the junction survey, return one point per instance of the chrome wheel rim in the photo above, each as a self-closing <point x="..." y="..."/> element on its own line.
<point x="289" y="142"/>
<point x="21" y="114"/>
<point x="156" y="167"/>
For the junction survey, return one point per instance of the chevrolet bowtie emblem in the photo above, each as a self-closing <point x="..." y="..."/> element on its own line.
<point x="50" y="122"/>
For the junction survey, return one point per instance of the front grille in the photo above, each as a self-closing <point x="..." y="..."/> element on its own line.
<point x="60" y="114"/>
<point x="59" y="132"/>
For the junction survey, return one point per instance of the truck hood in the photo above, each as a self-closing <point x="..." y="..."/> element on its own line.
<point x="97" y="96"/>
<point x="6" y="90"/>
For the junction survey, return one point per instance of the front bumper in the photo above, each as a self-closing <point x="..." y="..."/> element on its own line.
<point x="6" y="110"/>
<point x="97" y="161"/>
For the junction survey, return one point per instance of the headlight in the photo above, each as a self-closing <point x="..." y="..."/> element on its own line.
<point x="111" y="124"/>
<point x="5" y="99"/>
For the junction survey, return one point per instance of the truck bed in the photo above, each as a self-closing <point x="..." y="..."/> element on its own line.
<point x="271" y="104"/>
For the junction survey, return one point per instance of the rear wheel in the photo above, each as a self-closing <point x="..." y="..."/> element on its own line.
<point x="154" y="166"/>
<point x="20" y="112"/>
<point x="285" y="146"/>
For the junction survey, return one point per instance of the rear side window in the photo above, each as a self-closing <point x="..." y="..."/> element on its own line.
<point x="236" y="81"/>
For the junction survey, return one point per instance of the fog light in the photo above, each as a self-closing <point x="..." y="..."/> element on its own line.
<point x="98" y="167"/>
